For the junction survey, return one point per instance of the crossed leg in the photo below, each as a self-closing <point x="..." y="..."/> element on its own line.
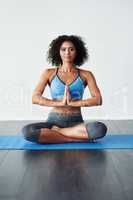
<point x="69" y="134"/>
<point x="86" y="130"/>
<point x="46" y="133"/>
<point x="78" y="131"/>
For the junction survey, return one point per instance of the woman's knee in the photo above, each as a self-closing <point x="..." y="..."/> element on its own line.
<point x="31" y="133"/>
<point x="102" y="129"/>
<point x="96" y="129"/>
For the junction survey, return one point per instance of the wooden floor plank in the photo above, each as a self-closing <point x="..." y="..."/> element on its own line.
<point x="3" y="154"/>
<point x="123" y="162"/>
<point x="68" y="174"/>
<point x="87" y="173"/>
<point x="11" y="174"/>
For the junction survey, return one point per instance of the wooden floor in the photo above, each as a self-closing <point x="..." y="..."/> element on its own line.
<point x="67" y="174"/>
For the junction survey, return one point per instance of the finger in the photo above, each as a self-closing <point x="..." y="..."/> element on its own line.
<point x="68" y="95"/>
<point x="67" y="87"/>
<point x="66" y="90"/>
<point x="67" y="98"/>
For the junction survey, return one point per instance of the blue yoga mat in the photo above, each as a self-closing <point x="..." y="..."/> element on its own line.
<point x="17" y="142"/>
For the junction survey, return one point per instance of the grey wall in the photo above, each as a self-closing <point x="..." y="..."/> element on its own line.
<point x="26" y="29"/>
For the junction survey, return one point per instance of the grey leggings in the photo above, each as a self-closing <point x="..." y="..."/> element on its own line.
<point x="94" y="129"/>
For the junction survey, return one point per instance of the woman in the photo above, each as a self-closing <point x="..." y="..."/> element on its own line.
<point x="67" y="83"/>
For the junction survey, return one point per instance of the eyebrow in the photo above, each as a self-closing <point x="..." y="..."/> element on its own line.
<point x="68" y="47"/>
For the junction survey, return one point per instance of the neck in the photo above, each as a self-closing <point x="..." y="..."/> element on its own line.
<point x="67" y="67"/>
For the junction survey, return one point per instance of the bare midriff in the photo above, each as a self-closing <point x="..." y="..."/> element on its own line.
<point x="66" y="110"/>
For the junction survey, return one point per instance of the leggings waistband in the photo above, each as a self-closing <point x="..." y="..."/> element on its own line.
<point x="66" y="114"/>
<point x="64" y="119"/>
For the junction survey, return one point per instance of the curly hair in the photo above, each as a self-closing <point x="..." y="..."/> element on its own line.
<point x="53" y="53"/>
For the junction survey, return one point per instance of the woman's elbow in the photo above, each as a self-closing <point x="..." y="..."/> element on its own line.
<point x="99" y="101"/>
<point x="35" y="99"/>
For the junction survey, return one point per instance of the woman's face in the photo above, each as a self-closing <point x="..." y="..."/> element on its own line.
<point x="67" y="51"/>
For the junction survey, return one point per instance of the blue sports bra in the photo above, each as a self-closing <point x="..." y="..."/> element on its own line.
<point x="76" y="87"/>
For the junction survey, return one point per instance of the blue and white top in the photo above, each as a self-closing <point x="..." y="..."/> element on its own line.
<point x="76" y="87"/>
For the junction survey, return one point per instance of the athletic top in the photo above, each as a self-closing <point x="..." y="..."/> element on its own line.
<point x="76" y="87"/>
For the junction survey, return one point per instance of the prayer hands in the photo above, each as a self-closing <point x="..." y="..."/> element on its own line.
<point x="67" y="96"/>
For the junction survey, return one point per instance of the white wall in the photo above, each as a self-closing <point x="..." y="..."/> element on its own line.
<point x="28" y="26"/>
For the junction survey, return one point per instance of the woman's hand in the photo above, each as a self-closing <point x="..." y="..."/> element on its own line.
<point x="66" y="101"/>
<point x="68" y="95"/>
<point x="66" y="98"/>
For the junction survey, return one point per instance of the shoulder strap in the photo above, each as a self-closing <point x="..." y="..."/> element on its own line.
<point x="56" y="70"/>
<point x="54" y="74"/>
<point x="78" y="71"/>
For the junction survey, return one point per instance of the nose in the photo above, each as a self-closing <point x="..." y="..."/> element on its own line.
<point x="67" y="51"/>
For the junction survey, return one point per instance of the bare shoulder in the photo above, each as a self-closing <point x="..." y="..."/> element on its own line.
<point x="48" y="71"/>
<point x="87" y="74"/>
<point x="51" y="69"/>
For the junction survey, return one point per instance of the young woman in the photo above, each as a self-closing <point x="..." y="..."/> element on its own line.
<point x="67" y="83"/>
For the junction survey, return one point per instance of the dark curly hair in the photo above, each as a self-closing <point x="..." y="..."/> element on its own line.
<point x="53" y="53"/>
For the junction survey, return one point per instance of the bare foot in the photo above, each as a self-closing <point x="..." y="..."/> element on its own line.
<point x="56" y="128"/>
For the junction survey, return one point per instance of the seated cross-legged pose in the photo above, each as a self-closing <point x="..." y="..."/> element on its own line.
<point x="67" y="83"/>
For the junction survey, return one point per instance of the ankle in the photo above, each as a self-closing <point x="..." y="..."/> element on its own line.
<point x="55" y="128"/>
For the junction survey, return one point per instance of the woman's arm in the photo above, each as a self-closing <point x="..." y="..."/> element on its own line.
<point x="37" y="97"/>
<point x="96" y="99"/>
<point x="85" y="102"/>
<point x="43" y="101"/>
